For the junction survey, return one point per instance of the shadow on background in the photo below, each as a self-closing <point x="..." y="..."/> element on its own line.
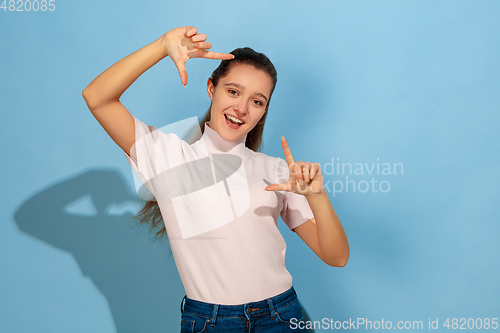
<point x="137" y="276"/>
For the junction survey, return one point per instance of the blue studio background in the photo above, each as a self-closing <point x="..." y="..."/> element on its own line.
<point x="405" y="93"/>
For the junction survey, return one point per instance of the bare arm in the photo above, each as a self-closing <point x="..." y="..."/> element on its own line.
<point x="323" y="233"/>
<point x="103" y="94"/>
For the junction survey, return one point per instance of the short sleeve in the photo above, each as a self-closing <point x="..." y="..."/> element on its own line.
<point x="296" y="209"/>
<point x="156" y="153"/>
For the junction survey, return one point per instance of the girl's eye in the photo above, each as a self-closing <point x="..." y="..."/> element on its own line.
<point x="232" y="92"/>
<point x="258" y="102"/>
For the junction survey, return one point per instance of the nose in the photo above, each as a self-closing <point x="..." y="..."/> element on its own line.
<point x="240" y="107"/>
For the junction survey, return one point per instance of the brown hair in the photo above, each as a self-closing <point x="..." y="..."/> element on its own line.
<point x="150" y="212"/>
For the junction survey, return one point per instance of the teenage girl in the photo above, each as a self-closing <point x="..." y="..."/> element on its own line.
<point x="224" y="237"/>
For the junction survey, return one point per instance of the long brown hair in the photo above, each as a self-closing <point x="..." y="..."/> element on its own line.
<point x="150" y="212"/>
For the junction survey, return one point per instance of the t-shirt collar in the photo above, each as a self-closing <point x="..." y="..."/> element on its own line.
<point x="216" y="144"/>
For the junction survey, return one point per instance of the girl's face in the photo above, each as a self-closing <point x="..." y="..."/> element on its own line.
<point x="244" y="94"/>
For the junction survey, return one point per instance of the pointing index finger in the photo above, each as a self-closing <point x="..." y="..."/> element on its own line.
<point x="218" y="55"/>
<point x="286" y="151"/>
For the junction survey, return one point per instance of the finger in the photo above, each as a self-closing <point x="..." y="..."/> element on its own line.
<point x="202" y="45"/>
<point x="314" y="170"/>
<point x="217" y="55"/>
<point x="182" y="72"/>
<point x="278" y="187"/>
<point x="298" y="173"/>
<point x="191" y="31"/>
<point x="306" y="171"/>
<point x="286" y="151"/>
<point x="199" y="38"/>
<point x="302" y="188"/>
<point x="293" y="173"/>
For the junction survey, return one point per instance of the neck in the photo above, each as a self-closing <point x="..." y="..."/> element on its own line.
<point x="216" y="144"/>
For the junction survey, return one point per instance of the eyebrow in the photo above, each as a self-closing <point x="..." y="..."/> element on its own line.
<point x="243" y="88"/>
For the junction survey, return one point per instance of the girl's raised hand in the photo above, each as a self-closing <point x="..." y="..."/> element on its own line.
<point x="184" y="43"/>
<point x="304" y="177"/>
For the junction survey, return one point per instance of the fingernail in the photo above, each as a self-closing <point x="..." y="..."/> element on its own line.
<point x="233" y="56"/>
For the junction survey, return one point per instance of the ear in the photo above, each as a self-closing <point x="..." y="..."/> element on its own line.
<point x="210" y="89"/>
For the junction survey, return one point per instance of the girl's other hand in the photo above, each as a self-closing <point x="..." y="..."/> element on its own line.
<point x="184" y="43"/>
<point x="304" y="178"/>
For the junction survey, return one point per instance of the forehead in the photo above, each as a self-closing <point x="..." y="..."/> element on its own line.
<point x="253" y="79"/>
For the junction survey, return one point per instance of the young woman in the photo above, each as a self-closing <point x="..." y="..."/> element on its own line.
<point x="218" y="199"/>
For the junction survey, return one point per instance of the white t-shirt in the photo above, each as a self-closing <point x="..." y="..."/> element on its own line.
<point x="220" y="222"/>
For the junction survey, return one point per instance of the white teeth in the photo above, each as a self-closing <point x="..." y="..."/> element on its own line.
<point x="235" y="119"/>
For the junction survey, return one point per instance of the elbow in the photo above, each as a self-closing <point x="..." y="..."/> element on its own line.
<point x="342" y="263"/>
<point x="91" y="99"/>
<point x="87" y="96"/>
<point x="339" y="261"/>
<point x="86" y="93"/>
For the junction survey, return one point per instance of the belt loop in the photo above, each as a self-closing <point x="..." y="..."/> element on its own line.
<point x="214" y="314"/>
<point x="271" y="307"/>
<point x="182" y="303"/>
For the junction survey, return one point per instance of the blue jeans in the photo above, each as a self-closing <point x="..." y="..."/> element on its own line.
<point x="281" y="313"/>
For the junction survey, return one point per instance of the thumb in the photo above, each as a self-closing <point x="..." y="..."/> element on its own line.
<point x="182" y="72"/>
<point x="278" y="187"/>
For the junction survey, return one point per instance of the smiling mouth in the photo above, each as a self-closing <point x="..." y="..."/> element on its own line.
<point x="232" y="122"/>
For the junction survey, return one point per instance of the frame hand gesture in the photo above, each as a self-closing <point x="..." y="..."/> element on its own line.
<point x="304" y="177"/>
<point x="184" y="43"/>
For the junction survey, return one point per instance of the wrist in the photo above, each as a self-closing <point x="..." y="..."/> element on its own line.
<point x="163" y="46"/>
<point x="319" y="196"/>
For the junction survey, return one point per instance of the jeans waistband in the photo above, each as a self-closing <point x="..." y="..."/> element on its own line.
<point x="265" y="306"/>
